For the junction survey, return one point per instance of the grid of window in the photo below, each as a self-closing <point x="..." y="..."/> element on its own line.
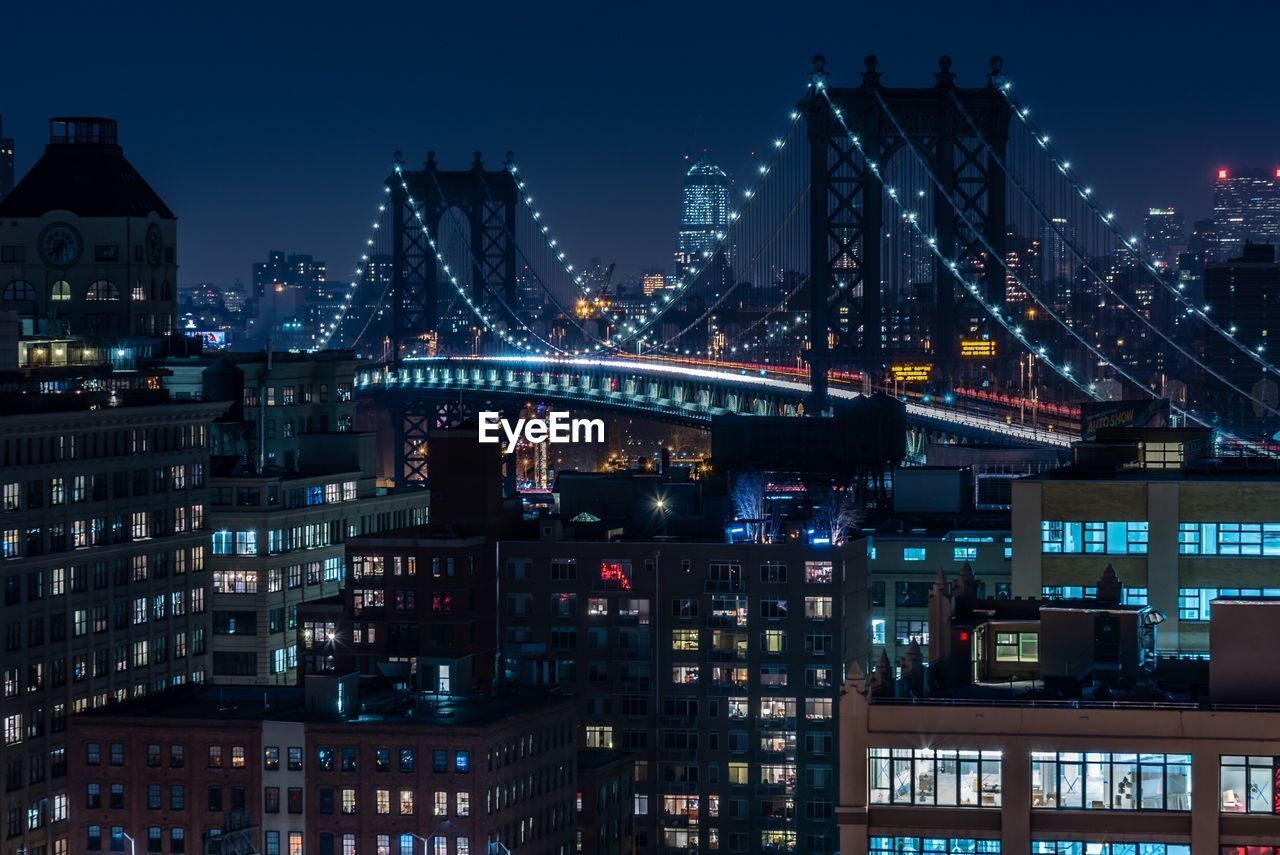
<point x="1193" y="603"/>
<point x="1075" y="847"/>
<point x="923" y="776"/>
<point x="1094" y="538"/>
<point x="1102" y="781"/>
<point x="1229" y="538"/>
<point x="947" y="845"/>
<point x="1247" y="784"/>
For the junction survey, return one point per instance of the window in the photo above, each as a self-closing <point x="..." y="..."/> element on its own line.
<point x="895" y="845"/>
<point x="818" y="572"/>
<point x="102" y="289"/>
<point x="1072" y="847"/>
<point x="1110" y="538"/>
<point x="1103" y="781"/>
<point x="599" y="736"/>
<point x="773" y="573"/>
<point x="406" y="802"/>
<point x="1232" y="539"/>
<point x="18" y="290"/>
<point x="818" y="608"/>
<point x="684" y="639"/>
<point x="923" y="776"/>
<point x="907" y="631"/>
<point x="1247" y="784"/>
<point x="1017" y="647"/>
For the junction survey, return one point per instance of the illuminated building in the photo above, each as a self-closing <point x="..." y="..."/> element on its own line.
<point x="1164" y="236"/>
<point x="1246" y="207"/>
<point x="291" y="480"/>
<point x="90" y="249"/>
<point x="104" y="542"/>
<point x="336" y="767"/>
<point x="652" y="281"/>
<point x="1050" y="727"/>
<point x="704" y="215"/>
<point x="717" y="665"/>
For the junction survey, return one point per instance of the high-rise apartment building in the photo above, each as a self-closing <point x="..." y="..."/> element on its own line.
<point x="104" y="547"/>
<point x="291" y="480"/>
<point x="1244" y="293"/>
<point x="717" y="665"/>
<point x="87" y="248"/>
<point x="1246" y="207"/>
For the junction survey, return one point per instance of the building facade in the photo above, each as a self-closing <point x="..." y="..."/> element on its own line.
<point x="1177" y="537"/>
<point x="87" y="248"/>
<point x="291" y="482"/>
<point x="1246" y="207"/>
<point x="273" y="773"/>
<point x="717" y="665"/>
<point x="105" y="551"/>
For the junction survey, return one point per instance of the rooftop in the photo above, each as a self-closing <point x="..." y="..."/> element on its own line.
<point x="85" y="172"/>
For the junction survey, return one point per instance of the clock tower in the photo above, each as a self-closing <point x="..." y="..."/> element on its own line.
<point x="87" y="249"/>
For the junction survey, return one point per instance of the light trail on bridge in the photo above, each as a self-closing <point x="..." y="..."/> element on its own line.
<point x="755" y="375"/>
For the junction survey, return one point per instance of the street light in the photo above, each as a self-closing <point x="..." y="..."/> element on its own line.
<point x="426" y="841"/>
<point x="133" y="844"/>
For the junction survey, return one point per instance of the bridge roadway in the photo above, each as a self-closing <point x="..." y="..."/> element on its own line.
<point x="685" y="391"/>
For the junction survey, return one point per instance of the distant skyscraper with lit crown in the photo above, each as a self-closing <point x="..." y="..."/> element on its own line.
<point x="1246" y="207"/>
<point x="704" y="214"/>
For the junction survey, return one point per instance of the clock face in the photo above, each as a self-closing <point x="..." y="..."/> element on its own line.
<point x="60" y="245"/>
<point x="155" y="245"/>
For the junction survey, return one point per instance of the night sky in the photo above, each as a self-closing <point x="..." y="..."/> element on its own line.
<point x="269" y="125"/>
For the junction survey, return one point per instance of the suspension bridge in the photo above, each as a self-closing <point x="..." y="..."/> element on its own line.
<point x="932" y="242"/>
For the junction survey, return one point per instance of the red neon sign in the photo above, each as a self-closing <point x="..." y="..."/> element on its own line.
<point x="612" y="571"/>
<point x="1222" y="173"/>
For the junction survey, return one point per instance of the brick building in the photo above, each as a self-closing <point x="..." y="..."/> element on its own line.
<point x="326" y="770"/>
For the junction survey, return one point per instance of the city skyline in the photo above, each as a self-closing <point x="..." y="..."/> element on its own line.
<point x="313" y="144"/>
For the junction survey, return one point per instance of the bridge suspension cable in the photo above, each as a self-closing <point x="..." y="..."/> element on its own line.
<point x="1108" y="221"/>
<point x="1086" y="265"/>
<point x="533" y="272"/>
<point x="627" y="330"/>
<point x="912" y="217"/>
<point x="327" y="330"/>
<point x="486" y="322"/>
<point x="1061" y="367"/>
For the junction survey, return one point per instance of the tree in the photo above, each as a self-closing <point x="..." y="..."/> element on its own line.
<point x="747" y="492"/>
<point x="838" y="513"/>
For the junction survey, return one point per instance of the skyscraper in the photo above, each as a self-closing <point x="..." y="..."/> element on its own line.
<point x="6" y="162"/>
<point x="1164" y="236"/>
<point x="704" y="214"/>
<point x="1246" y="206"/>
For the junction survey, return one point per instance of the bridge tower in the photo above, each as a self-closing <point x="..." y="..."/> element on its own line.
<point x="847" y="208"/>
<point x="487" y="201"/>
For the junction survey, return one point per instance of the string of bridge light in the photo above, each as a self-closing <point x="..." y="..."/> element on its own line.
<point x="1086" y="265"/>
<point x="327" y="331"/>
<point x="487" y="323"/>
<point x="553" y="244"/>
<point x="684" y="282"/>
<point x="511" y="169"/>
<point x="1063" y="369"/>
<point x="913" y="220"/>
<point x="1107" y="218"/>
